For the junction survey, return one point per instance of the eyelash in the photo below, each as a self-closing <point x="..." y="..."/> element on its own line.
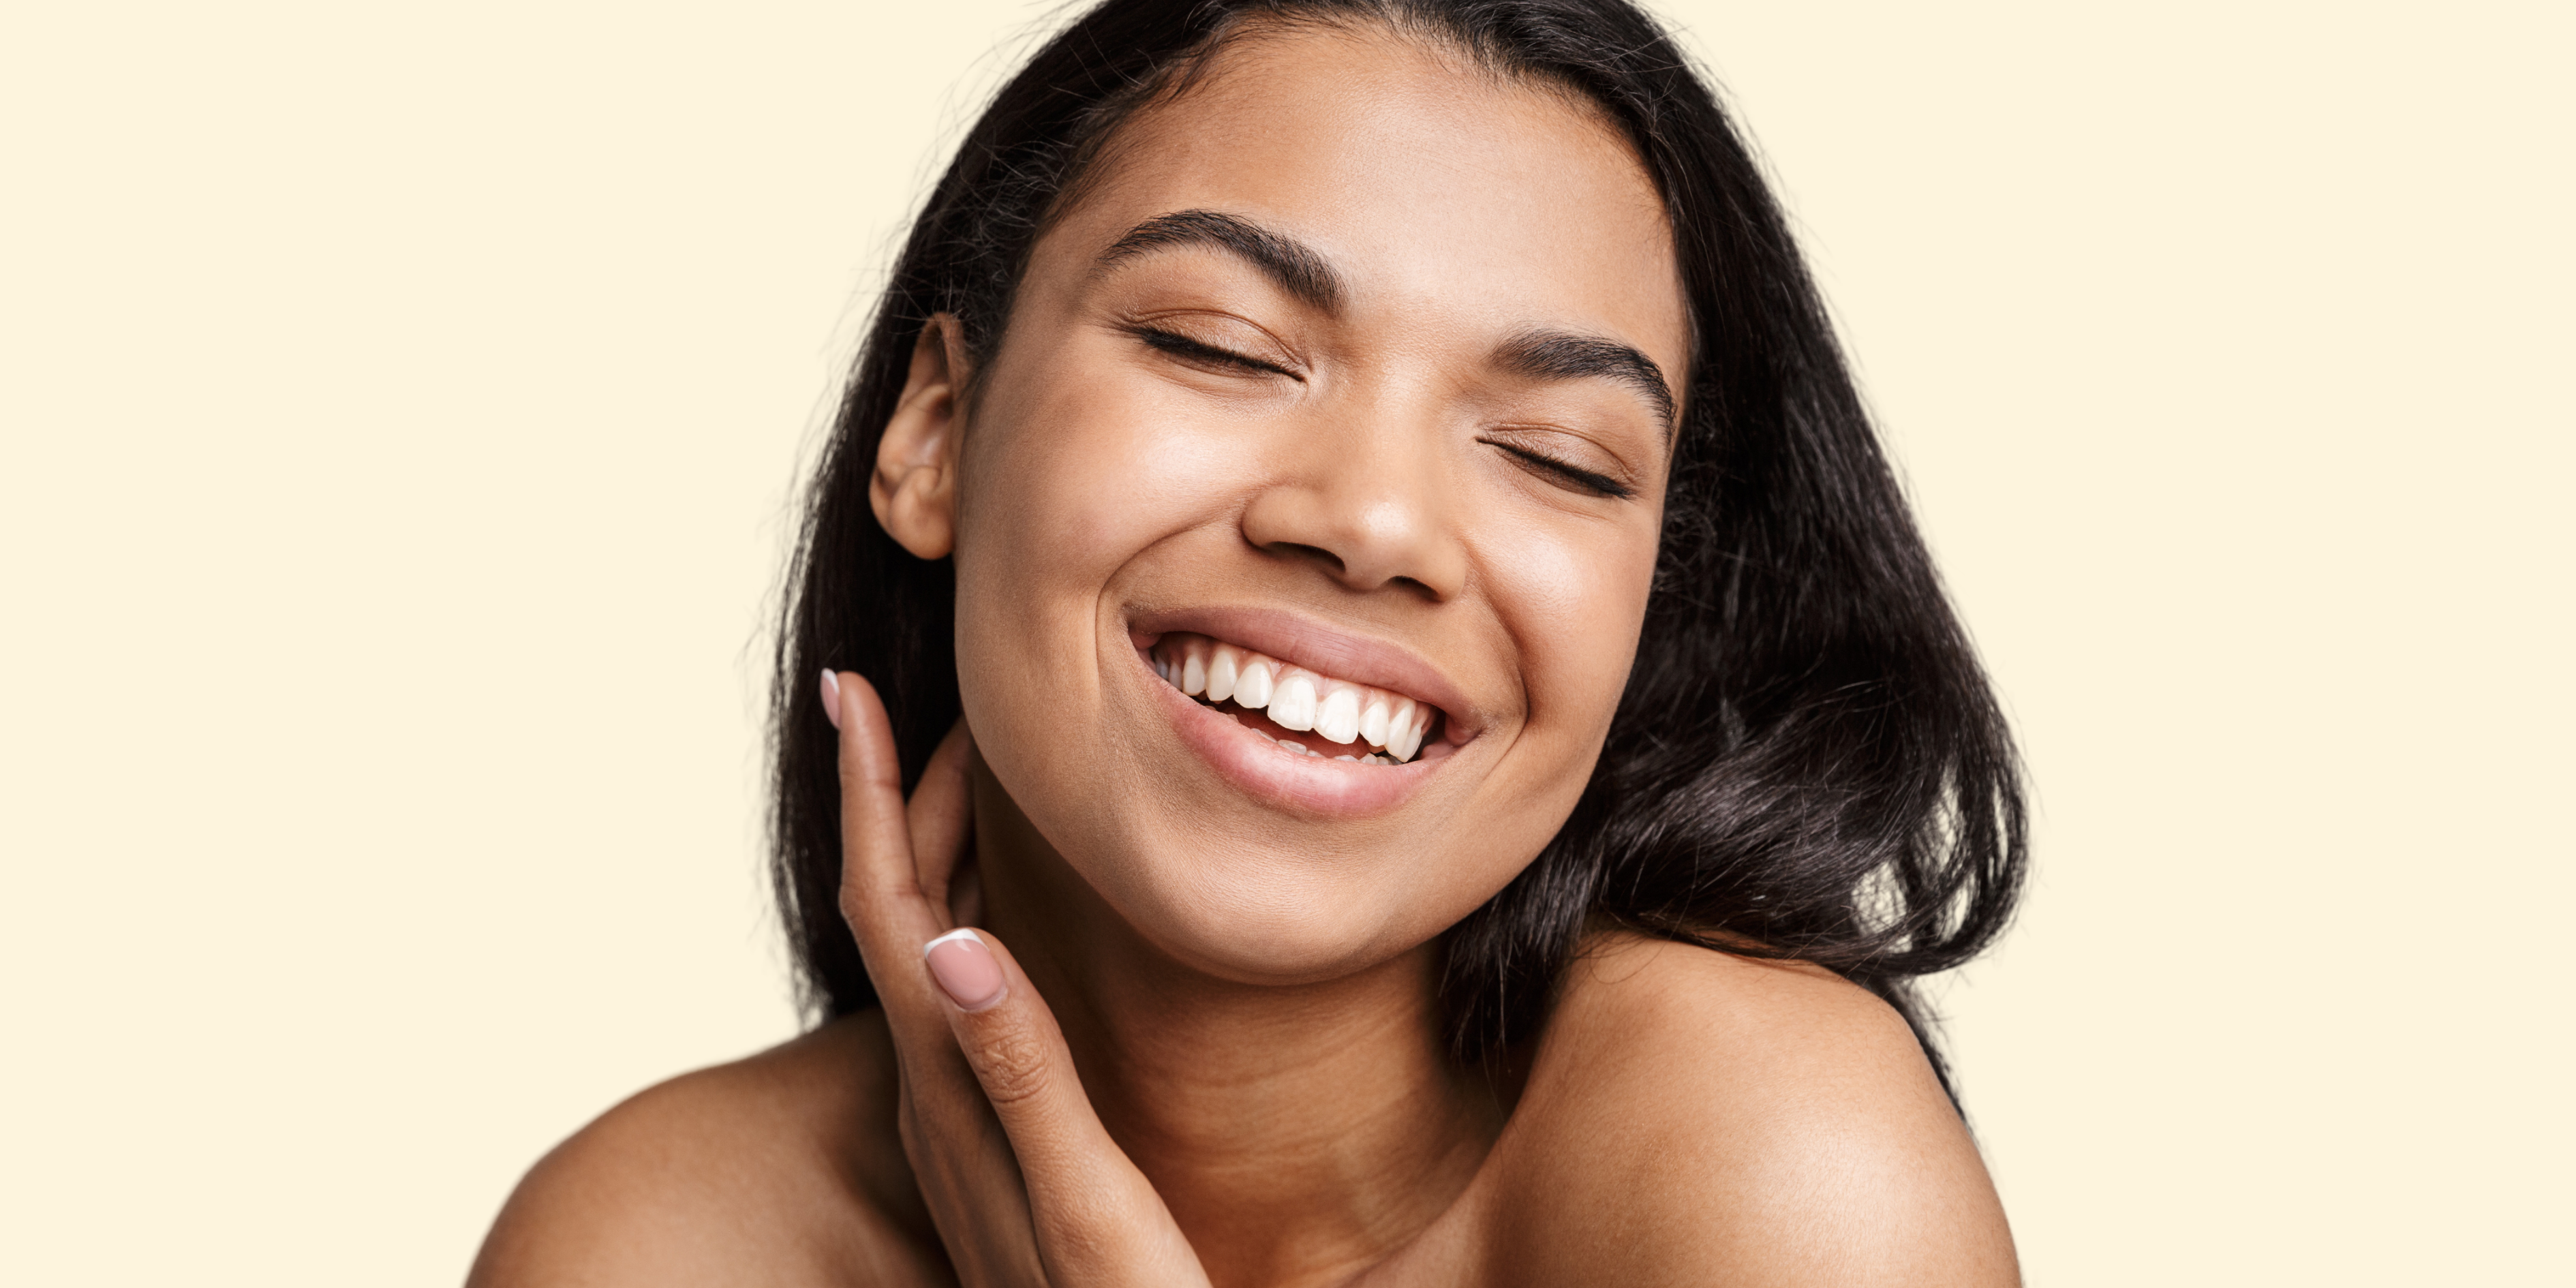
<point x="1597" y="484"/>
<point x="1187" y="349"/>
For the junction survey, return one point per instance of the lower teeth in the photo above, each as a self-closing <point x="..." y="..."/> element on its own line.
<point x="1294" y="747"/>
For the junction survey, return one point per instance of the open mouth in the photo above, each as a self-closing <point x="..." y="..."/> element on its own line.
<point x="1303" y="712"/>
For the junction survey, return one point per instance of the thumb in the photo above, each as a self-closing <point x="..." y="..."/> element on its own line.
<point x="1097" y="1218"/>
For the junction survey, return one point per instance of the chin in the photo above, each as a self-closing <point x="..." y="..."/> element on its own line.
<point x="1280" y="930"/>
<point x="1289" y="909"/>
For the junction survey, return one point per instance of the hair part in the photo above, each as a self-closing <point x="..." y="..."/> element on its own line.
<point x="1807" y="762"/>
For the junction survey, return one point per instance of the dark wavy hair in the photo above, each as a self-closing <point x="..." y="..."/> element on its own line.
<point x="1807" y="762"/>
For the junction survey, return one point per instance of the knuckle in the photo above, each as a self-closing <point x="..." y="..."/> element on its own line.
<point x="1012" y="1065"/>
<point x="863" y="895"/>
<point x="866" y="775"/>
<point x="858" y="912"/>
<point x="1074" y="1246"/>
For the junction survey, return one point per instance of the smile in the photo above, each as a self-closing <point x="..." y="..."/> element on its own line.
<point x="1293" y="707"/>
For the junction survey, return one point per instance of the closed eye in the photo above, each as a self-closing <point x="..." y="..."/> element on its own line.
<point x="1207" y="355"/>
<point x="1571" y="475"/>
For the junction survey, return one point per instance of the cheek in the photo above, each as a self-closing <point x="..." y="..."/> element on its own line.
<point x="1066" y="475"/>
<point x="1578" y="598"/>
<point x="1058" y="490"/>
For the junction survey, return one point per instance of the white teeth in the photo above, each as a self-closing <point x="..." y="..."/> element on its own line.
<point x="1252" y="688"/>
<point x="1403" y="729"/>
<point x="1339" y="718"/>
<point x="1293" y="705"/>
<point x="1295" y="698"/>
<point x="1223" y="666"/>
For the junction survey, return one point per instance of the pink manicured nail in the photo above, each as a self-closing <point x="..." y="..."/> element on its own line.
<point x="832" y="697"/>
<point x="965" y="969"/>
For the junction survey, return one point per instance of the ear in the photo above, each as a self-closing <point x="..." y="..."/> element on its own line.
<point x="914" y="489"/>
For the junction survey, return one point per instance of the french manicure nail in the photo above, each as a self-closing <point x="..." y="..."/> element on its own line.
<point x="832" y="697"/>
<point x="965" y="969"/>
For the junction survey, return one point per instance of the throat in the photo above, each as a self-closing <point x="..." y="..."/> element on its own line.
<point x="1297" y="1138"/>
<point x="1298" y="1132"/>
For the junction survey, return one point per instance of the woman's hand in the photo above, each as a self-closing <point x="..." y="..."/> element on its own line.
<point x="1024" y="1183"/>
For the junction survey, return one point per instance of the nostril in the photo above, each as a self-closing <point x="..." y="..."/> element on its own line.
<point x="1316" y="553"/>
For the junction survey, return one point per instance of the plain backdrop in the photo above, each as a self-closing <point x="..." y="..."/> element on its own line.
<point x="400" y="407"/>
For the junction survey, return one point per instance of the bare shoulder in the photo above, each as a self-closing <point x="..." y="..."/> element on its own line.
<point x="782" y="1169"/>
<point x="1695" y="1117"/>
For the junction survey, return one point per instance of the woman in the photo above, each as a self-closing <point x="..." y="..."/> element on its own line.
<point x="1433" y="748"/>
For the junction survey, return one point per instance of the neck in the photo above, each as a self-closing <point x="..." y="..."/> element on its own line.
<point x="1297" y="1133"/>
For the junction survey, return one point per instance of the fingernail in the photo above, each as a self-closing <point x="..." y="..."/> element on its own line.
<point x="832" y="697"/>
<point x="965" y="969"/>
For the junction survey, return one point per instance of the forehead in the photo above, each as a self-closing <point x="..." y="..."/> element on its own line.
<point x="1443" y="193"/>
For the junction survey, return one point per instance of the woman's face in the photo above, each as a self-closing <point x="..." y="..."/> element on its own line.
<point x="1358" y="362"/>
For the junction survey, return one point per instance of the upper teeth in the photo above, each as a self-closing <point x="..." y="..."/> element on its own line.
<point x="1295" y="697"/>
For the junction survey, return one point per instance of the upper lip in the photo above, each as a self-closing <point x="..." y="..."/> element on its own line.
<point x="1300" y="640"/>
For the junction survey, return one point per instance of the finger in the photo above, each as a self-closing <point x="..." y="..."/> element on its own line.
<point x="880" y="888"/>
<point x="941" y="816"/>
<point x="1098" y="1219"/>
<point x="881" y="894"/>
<point x="960" y="1157"/>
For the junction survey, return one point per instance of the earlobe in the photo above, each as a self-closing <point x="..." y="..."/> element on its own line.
<point x="914" y="487"/>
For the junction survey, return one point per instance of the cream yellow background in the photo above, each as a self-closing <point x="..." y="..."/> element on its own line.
<point x="399" y="409"/>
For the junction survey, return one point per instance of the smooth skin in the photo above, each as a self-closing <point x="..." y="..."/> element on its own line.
<point x="1215" y="1055"/>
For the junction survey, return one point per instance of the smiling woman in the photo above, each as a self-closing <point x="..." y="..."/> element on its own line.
<point x="1433" y="749"/>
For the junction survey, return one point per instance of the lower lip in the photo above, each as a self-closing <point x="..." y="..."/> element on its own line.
<point x="1294" y="781"/>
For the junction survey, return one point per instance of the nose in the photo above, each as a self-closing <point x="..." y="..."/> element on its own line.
<point x="1369" y="505"/>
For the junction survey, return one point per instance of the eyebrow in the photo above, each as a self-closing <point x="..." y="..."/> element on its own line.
<point x="1559" y="355"/>
<point x="1304" y="273"/>
<point x="1292" y="265"/>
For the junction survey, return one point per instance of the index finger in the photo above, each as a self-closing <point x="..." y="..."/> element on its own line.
<point x="881" y="892"/>
<point x="941" y="814"/>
